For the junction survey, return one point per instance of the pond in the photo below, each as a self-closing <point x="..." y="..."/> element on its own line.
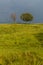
<point x="7" y="7"/>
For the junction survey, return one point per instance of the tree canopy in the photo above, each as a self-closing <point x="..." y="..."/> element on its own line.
<point x="26" y="17"/>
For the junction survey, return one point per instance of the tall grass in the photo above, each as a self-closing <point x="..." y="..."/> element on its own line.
<point x="21" y="44"/>
<point x="25" y="58"/>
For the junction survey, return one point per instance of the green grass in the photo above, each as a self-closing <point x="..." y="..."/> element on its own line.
<point x="21" y="44"/>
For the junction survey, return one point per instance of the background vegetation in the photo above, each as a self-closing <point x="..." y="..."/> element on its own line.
<point x="26" y="17"/>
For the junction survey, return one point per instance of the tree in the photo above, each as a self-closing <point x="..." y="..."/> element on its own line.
<point x="26" y="17"/>
<point x="13" y="16"/>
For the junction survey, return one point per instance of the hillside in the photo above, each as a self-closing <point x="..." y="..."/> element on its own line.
<point x="21" y="44"/>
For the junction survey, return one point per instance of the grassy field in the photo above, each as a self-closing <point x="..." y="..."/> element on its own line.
<point x="21" y="44"/>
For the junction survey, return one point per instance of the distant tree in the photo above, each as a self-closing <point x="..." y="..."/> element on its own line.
<point x="13" y="16"/>
<point x="26" y="17"/>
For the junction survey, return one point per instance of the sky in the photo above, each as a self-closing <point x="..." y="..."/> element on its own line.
<point x="18" y="6"/>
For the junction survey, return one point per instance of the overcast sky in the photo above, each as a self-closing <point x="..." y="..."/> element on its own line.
<point x="19" y="6"/>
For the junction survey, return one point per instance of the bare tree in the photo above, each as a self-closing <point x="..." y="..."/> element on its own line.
<point x="13" y="16"/>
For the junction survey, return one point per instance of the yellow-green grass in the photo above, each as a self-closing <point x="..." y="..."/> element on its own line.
<point x="18" y="39"/>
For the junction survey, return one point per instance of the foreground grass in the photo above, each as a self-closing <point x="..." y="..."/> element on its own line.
<point x="21" y="44"/>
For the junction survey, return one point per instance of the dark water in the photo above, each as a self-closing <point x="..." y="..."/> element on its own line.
<point x="20" y="6"/>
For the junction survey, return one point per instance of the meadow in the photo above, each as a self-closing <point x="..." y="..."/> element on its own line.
<point x="21" y="44"/>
